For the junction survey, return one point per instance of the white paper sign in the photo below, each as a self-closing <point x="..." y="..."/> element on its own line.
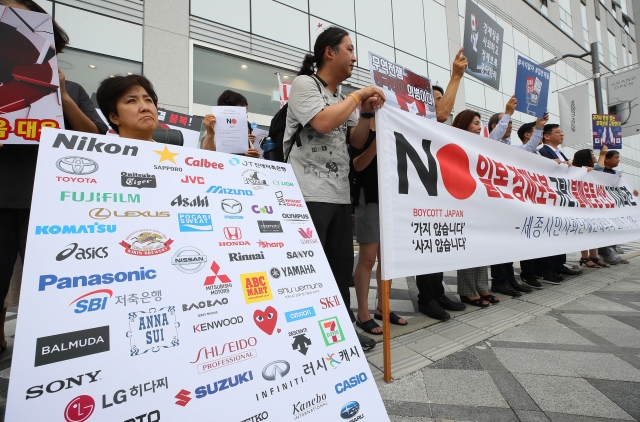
<point x="231" y="129"/>
<point x="178" y="284"/>
<point x="450" y="199"/>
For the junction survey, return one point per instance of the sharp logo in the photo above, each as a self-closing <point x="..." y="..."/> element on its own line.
<point x="265" y="245"/>
<point x="93" y="145"/>
<point x="189" y="260"/>
<point x="83" y="253"/>
<point x="90" y="303"/>
<point x="276" y="369"/>
<point x="77" y="165"/>
<point x="228" y="191"/>
<point x="72" y="345"/>
<point x="79" y="409"/>
<point x="186" y="202"/>
<point x="135" y="180"/>
<point x="59" y="385"/>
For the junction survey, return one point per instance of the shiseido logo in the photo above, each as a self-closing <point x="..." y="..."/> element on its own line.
<point x="61" y="347"/>
<point x="77" y="165"/>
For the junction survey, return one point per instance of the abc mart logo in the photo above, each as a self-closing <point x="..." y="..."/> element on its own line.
<point x="189" y="260"/>
<point x="331" y="331"/>
<point x="77" y="165"/>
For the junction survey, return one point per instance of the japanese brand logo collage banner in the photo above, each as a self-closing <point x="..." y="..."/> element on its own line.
<point x="158" y="277"/>
<point x="450" y="198"/>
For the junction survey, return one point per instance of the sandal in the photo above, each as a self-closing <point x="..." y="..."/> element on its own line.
<point x="474" y="302"/>
<point x="490" y="298"/>
<point x="368" y="326"/>
<point x="600" y="262"/>
<point x="365" y="342"/>
<point x="587" y="261"/>
<point x="393" y="318"/>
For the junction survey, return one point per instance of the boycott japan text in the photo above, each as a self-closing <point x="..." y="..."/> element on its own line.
<point x="172" y="288"/>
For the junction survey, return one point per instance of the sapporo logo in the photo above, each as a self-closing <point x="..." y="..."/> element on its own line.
<point x="135" y="180"/>
<point x="255" y="287"/>
<point x="189" y="260"/>
<point x="79" y="409"/>
<point x="104" y="213"/>
<point x="77" y="165"/>
<point x="72" y="345"/>
<point x="82" y="253"/>
<point x="331" y="331"/>
<point x="146" y="242"/>
<point x="63" y="384"/>
<point x="166" y="155"/>
<point x="153" y="330"/>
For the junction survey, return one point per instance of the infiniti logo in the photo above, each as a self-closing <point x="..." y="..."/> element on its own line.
<point x="77" y="165"/>
<point x="275" y="369"/>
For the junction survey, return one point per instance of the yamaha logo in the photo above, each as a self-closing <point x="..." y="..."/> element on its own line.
<point x="77" y="165"/>
<point x="189" y="260"/>
<point x="276" y="369"/>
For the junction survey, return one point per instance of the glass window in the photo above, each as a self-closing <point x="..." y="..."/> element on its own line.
<point x="89" y="69"/>
<point x="565" y="16"/>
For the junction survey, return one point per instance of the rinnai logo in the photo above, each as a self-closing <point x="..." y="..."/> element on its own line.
<point x="77" y="165"/>
<point x="66" y="346"/>
<point x="93" y="303"/>
<point x="186" y="202"/>
<point x="204" y="163"/>
<point x="93" y="145"/>
<point x="307" y="236"/>
<point x="79" y="409"/>
<point x="245" y="257"/>
<point x="199" y="180"/>
<point x="265" y="245"/>
<point x="228" y="191"/>
<point x="135" y="180"/>
<point x="64" y="384"/>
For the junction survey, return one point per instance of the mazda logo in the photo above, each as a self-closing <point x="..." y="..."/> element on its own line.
<point x="231" y="206"/>
<point x="77" y="165"/>
<point x="275" y="369"/>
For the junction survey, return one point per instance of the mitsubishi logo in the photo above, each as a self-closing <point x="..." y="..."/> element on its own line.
<point x="77" y="165"/>
<point x="212" y="278"/>
<point x="232" y="233"/>
<point x="275" y="369"/>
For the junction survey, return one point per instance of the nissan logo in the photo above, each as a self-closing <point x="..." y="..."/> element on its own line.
<point x="275" y="369"/>
<point x="77" y="165"/>
<point x="189" y="260"/>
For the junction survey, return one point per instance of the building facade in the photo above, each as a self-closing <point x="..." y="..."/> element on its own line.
<point x="192" y="50"/>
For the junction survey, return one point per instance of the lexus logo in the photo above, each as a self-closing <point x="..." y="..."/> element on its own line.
<point x="275" y="369"/>
<point x="77" y="165"/>
<point x="99" y="213"/>
<point x="232" y="233"/>
<point x="231" y="206"/>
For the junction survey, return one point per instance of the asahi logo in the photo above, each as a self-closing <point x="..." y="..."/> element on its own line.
<point x="92" y="145"/>
<point x="186" y="202"/>
<point x="135" y="180"/>
<point x="61" y="347"/>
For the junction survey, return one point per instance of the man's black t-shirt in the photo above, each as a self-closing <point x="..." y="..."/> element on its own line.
<point x="18" y="162"/>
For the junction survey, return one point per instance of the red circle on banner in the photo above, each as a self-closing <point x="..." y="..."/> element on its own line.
<point x="454" y="167"/>
<point x="79" y="409"/>
<point x="234" y="121"/>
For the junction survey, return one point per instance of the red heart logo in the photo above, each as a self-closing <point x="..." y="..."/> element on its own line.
<point x="266" y="320"/>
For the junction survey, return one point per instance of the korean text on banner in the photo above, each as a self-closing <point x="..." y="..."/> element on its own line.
<point x="232" y="131"/>
<point x="403" y="88"/>
<point x="189" y="281"/>
<point x="607" y="130"/>
<point x="576" y="107"/>
<point x="532" y="87"/>
<point x="482" y="43"/>
<point x="450" y="198"/>
<point x="623" y="98"/>
<point x="189" y="126"/>
<point x="29" y="92"/>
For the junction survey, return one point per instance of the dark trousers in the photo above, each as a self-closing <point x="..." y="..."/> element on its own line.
<point x="429" y="287"/>
<point x="14" y="224"/>
<point x="503" y="273"/>
<point x="531" y="267"/>
<point x="333" y="224"/>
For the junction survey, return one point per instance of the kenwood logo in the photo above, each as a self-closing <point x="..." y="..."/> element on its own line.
<point x="61" y="347"/>
<point x="206" y="326"/>
<point x="93" y="145"/>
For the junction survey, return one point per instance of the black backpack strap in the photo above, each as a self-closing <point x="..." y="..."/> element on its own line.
<point x="296" y="135"/>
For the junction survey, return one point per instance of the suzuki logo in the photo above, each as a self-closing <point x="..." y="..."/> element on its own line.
<point x="275" y="369"/>
<point x="77" y="165"/>
<point x="231" y="206"/>
<point x="232" y="233"/>
<point x="183" y="397"/>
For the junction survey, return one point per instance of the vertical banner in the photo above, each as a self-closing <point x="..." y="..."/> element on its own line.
<point x="607" y="130"/>
<point x="404" y="89"/>
<point x="575" y="114"/>
<point x="482" y="43"/>
<point x="190" y="285"/>
<point x="623" y="98"/>
<point x="29" y="79"/>
<point x="532" y="87"/>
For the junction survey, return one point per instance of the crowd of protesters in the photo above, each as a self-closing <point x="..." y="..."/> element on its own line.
<point x="319" y="114"/>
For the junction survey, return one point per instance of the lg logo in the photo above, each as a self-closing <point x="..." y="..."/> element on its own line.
<point x="79" y="409"/>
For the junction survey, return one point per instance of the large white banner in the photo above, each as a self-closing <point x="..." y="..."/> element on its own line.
<point x="575" y="114"/>
<point x="174" y="284"/>
<point x="450" y="199"/>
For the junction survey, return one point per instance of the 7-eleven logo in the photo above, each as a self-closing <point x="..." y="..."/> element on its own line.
<point x="331" y="331"/>
<point x="212" y="278"/>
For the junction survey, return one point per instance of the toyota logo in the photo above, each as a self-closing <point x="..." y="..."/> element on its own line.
<point x="275" y="369"/>
<point x="231" y="206"/>
<point x="77" y="165"/>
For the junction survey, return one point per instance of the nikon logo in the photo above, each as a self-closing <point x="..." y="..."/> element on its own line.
<point x="93" y="145"/>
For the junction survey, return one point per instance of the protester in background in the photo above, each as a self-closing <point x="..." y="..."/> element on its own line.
<point x="232" y="99"/>
<point x="322" y="116"/>
<point x="130" y="104"/>
<point x="585" y="158"/>
<point x="18" y="164"/>
<point x="431" y="298"/>
<point x="364" y="192"/>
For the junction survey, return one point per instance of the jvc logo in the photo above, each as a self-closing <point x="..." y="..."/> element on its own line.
<point x="90" y="303"/>
<point x="83" y="253"/>
<point x="185" y="202"/>
<point x="193" y="180"/>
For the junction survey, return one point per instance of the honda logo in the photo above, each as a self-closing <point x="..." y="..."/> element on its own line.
<point x="274" y="369"/>
<point x="232" y="233"/>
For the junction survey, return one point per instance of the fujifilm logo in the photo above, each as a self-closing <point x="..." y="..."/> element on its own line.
<point x="93" y="145"/>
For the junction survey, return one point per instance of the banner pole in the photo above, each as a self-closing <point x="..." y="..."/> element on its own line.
<point x="386" y="326"/>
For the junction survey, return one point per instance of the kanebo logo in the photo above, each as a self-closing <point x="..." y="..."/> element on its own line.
<point x="93" y="145"/>
<point x="77" y="165"/>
